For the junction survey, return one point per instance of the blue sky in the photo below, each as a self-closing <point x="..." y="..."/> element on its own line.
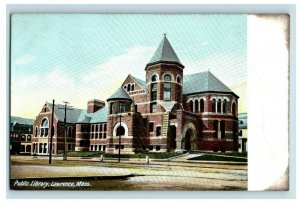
<point x="79" y="57"/>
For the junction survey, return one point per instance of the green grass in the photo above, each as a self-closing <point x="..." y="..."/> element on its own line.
<point x="210" y="157"/>
<point x="237" y="154"/>
<point x="162" y="155"/>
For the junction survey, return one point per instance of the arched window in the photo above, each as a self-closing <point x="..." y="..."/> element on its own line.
<point x="233" y="109"/>
<point x="201" y="105"/>
<point x="167" y="78"/>
<point x="224" y="106"/>
<point x="179" y="79"/>
<point x="219" y="105"/>
<point x="120" y="131"/>
<point x="191" y="105"/>
<point x="132" y="87"/>
<point x="196" y="106"/>
<point x="44" y="127"/>
<point x="153" y="88"/>
<point x="128" y="88"/>
<point x="154" y="78"/>
<point x="167" y="88"/>
<point x="213" y="105"/>
<point x="69" y="131"/>
<point x="36" y="131"/>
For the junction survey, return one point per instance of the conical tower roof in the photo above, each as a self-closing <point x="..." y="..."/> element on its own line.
<point x="164" y="53"/>
<point x="119" y="94"/>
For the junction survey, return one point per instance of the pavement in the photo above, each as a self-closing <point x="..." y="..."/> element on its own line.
<point x="134" y="174"/>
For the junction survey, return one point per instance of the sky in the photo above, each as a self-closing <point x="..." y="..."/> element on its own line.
<point x="77" y="57"/>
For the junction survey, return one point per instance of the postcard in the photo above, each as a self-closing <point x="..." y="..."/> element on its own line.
<point x="139" y="102"/>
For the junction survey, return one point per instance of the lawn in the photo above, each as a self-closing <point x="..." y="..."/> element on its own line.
<point x="211" y="157"/>
<point x="162" y="155"/>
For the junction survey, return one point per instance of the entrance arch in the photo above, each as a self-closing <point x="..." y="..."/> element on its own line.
<point x="188" y="141"/>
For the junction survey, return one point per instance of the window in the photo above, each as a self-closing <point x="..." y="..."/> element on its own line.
<point x="151" y="126"/>
<point x="96" y="147"/>
<point x="150" y="147"/>
<point x="153" y="91"/>
<point x="191" y="106"/>
<point x="241" y="122"/>
<point x="36" y="130"/>
<point x="122" y="107"/>
<point x="158" y="130"/>
<point x="44" y="128"/>
<point x="167" y="88"/>
<point x="179" y="79"/>
<point x="201" y="105"/>
<point x="45" y="148"/>
<point x="93" y="128"/>
<point x="213" y="105"/>
<point x="41" y="147"/>
<point x="28" y="148"/>
<point x="104" y="148"/>
<point x="216" y="129"/>
<point x="132" y="87"/>
<point x="96" y="128"/>
<point x="233" y="109"/>
<point x="125" y="87"/>
<point x="157" y="148"/>
<point x="104" y="135"/>
<point x="167" y="78"/>
<point x="92" y="147"/>
<point x="167" y="91"/>
<point x="128" y="88"/>
<point x="224" y="106"/>
<point x="154" y="78"/>
<point x="104" y="127"/>
<point x="23" y="138"/>
<point x="219" y="105"/>
<point x="222" y="126"/>
<point x="69" y="131"/>
<point x="120" y="131"/>
<point x="153" y="107"/>
<point x="28" y="138"/>
<point x="99" y="148"/>
<point x="196" y="106"/>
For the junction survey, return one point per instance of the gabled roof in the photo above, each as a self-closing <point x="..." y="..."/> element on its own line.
<point x="20" y="120"/>
<point x="140" y="82"/>
<point x="119" y="94"/>
<point x="72" y="115"/>
<point x="164" y="53"/>
<point x="99" y="116"/>
<point x="203" y="82"/>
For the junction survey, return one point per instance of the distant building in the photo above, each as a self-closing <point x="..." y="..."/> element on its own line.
<point x="166" y="112"/>
<point x="243" y="132"/>
<point x="20" y="135"/>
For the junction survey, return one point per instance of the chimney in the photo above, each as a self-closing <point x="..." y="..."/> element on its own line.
<point x="94" y="105"/>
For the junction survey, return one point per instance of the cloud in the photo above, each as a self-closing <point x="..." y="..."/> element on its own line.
<point x="25" y="59"/>
<point x="103" y="79"/>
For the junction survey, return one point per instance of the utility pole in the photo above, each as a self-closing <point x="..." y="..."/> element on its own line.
<point x="52" y="132"/>
<point x="65" y="135"/>
<point x="119" y="132"/>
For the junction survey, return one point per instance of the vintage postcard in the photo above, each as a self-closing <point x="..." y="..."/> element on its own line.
<point x="131" y="102"/>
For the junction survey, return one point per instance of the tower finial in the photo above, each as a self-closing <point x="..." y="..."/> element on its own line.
<point x="165" y="34"/>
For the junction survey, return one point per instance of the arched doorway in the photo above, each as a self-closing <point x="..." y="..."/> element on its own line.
<point x="189" y="140"/>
